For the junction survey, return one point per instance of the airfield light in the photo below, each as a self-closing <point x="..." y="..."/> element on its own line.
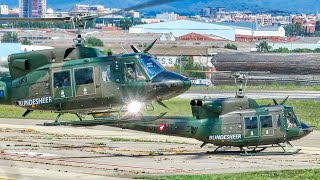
<point x="134" y="107"/>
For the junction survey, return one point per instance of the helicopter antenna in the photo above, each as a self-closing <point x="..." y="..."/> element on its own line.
<point x="240" y="81"/>
<point x="124" y="49"/>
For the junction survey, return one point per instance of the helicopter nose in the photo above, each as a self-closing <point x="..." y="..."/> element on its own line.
<point x="172" y="83"/>
<point x="306" y="129"/>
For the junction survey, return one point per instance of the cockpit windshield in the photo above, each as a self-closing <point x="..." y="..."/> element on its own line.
<point x="151" y="65"/>
<point x="292" y="119"/>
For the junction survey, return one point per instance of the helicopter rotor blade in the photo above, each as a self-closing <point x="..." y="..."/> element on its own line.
<point x="150" y="4"/>
<point x="135" y="49"/>
<point x="275" y="102"/>
<point x="91" y="17"/>
<point x="132" y="8"/>
<point x="150" y="46"/>
<point x="58" y="19"/>
<point x="284" y="101"/>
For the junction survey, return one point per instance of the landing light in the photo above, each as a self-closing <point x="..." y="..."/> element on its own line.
<point x="134" y="107"/>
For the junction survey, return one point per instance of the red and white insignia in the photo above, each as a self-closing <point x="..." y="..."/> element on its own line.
<point x="161" y="127"/>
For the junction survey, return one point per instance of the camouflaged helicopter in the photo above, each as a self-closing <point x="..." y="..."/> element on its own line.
<point x="233" y="122"/>
<point x="82" y="80"/>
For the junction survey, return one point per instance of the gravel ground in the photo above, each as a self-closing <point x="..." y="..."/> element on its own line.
<point x="31" y="151"/>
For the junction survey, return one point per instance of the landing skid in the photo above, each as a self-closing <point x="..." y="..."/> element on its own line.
<point x="257" y="150"/>
<point x="103" y="121"/>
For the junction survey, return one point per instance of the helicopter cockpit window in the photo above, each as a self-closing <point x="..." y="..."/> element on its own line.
<point x="251" y="122"/>
<point x="292" y="120"/>
<point x="83" y="75"/>
<point x="152" y="66"/>
<point x="133" y="73"/>
<point x="266" y="121"/>
<point x="105" y="72"/>
<point x="61" y="79"/>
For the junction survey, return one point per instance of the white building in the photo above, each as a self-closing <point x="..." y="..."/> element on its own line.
<point x="88" y="8"/>
<point x="184" y="27"/>
<point x="167" y="16"/>
<point x="4" y="10"/>
<point x="270" y="31"/>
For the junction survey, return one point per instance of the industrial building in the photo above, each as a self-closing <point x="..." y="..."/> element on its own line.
<point x="202" y="31"/>
<point x="184" y="27"/>
<point x="32" y="8"/>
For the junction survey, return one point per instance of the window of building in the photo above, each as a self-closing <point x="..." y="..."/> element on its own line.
<point x="83" y="76"/>
<point x="61" y="79"/>
<point x="266" y="121"/>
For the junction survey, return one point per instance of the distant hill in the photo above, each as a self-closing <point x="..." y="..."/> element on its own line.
<point x="194" y="7"/>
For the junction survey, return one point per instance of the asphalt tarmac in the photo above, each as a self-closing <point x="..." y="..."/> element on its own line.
<point x="31" y="151"/>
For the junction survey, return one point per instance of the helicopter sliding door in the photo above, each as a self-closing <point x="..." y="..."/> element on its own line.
<point x="266" y="125"/>
<point x="62" y="84"/>
<point x="84" y="81"/>
<point x="109" y="75"/>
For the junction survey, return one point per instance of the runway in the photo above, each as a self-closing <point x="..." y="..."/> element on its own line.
<point x="307" y="95"/>
<point x="31" y="151"/>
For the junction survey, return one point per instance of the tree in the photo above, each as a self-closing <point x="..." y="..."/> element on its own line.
<point x="25" y="41"/>
<point x="264" y="47"/>
<point x="92" y="42"/>
<point x="126" y="23"/>
<point x="231" y="46"/>
<point x="108" y="51"/>
<point x="294" y="30"/>
<point x="10" y="37"/>
<point x="281" y="50"/>
<point x="187" y="67"/>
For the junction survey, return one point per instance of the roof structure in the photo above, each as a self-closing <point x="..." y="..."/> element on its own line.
<point x="242" y="25"/>
<point x="183" y="27"/>
<point x="268" y="28"/>
<point x="200" y="37"/>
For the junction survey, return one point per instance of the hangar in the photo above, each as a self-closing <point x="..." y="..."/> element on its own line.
<point x="184" y="27"/>
<point x="202" y="31"/>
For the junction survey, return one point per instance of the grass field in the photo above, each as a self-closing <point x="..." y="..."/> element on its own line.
<point x="307" y="111"/>
<point x="265" y="87"/>
<point x="265" y="175"/>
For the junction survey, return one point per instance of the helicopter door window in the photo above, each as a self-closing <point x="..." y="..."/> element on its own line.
<point x="251" y="126"/>
<point x="266" y="125"/>
<point x="61" y="79"/>
<point x="105" y="72"/>
<point x="62" y="84"/>
<point x="279" y="121"/>
<point x="84" y="81"/>
<point x="83" y="76"/>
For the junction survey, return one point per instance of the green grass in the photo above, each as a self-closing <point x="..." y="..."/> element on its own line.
<point x="265" y="175"/>
<point x="8" y="111"/>
<point x="265" y="87"/>
<point x="307" y="111"/>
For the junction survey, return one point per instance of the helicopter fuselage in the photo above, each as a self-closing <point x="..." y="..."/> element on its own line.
<point x="238" y="122"/>
<point x="82" y="80"/>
